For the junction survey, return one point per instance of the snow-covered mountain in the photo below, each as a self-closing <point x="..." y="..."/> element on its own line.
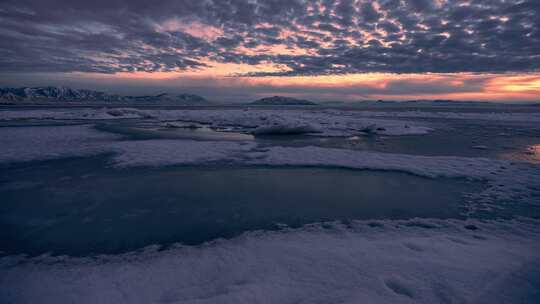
<point x="282" y="100"/>
<point x="64" y="94"/>
<point x="54" y="94"/>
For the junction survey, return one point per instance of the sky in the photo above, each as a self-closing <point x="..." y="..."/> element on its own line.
<point x="238" y="50"/>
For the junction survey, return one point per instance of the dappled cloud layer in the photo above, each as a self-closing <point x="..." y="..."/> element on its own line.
<point x="333" y="40"/>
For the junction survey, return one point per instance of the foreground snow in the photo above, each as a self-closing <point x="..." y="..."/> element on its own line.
<point x="416" y="261"/>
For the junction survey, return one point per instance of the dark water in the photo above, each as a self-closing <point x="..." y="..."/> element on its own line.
<point x="79" y="206"/>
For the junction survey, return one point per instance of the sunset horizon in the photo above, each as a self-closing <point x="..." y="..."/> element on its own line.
<point x="322" y="50"/>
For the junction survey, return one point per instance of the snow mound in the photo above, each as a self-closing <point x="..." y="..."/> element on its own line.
<point x="415" y="261"/>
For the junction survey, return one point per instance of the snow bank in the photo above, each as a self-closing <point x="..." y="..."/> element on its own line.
<point x="415" y="261"/>
<point x="428" y="166"/>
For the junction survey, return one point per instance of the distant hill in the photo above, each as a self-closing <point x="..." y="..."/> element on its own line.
<point x="166" y="97"/>
<point x="282" y="101"/>
<point x="64" y="94"/>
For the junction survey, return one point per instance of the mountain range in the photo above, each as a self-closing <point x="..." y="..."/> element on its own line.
<point x="64" y="94"/>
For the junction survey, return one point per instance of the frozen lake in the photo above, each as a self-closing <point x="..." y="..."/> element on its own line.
<point x="419" y="204"/>
<point x="52" y="204"/>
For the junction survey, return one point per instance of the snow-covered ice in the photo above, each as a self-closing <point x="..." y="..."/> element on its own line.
<point x="259" y="121"/>
<point x="73" y="114"/>
<point x="175" y="152"/>
<point x="414" y="261"/>
<point x="40" y="143"/>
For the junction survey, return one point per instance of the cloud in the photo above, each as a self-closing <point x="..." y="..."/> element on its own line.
<point x="318" y="37"/>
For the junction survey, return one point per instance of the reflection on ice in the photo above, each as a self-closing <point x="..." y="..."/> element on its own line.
<point x="193" y="205"/>
<point x="530" y="154"/>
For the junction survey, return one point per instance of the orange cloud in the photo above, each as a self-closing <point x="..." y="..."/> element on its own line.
<point x="516" y="84"/>
<point x="491" y="87"/>
<point x="457" y="86"/>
